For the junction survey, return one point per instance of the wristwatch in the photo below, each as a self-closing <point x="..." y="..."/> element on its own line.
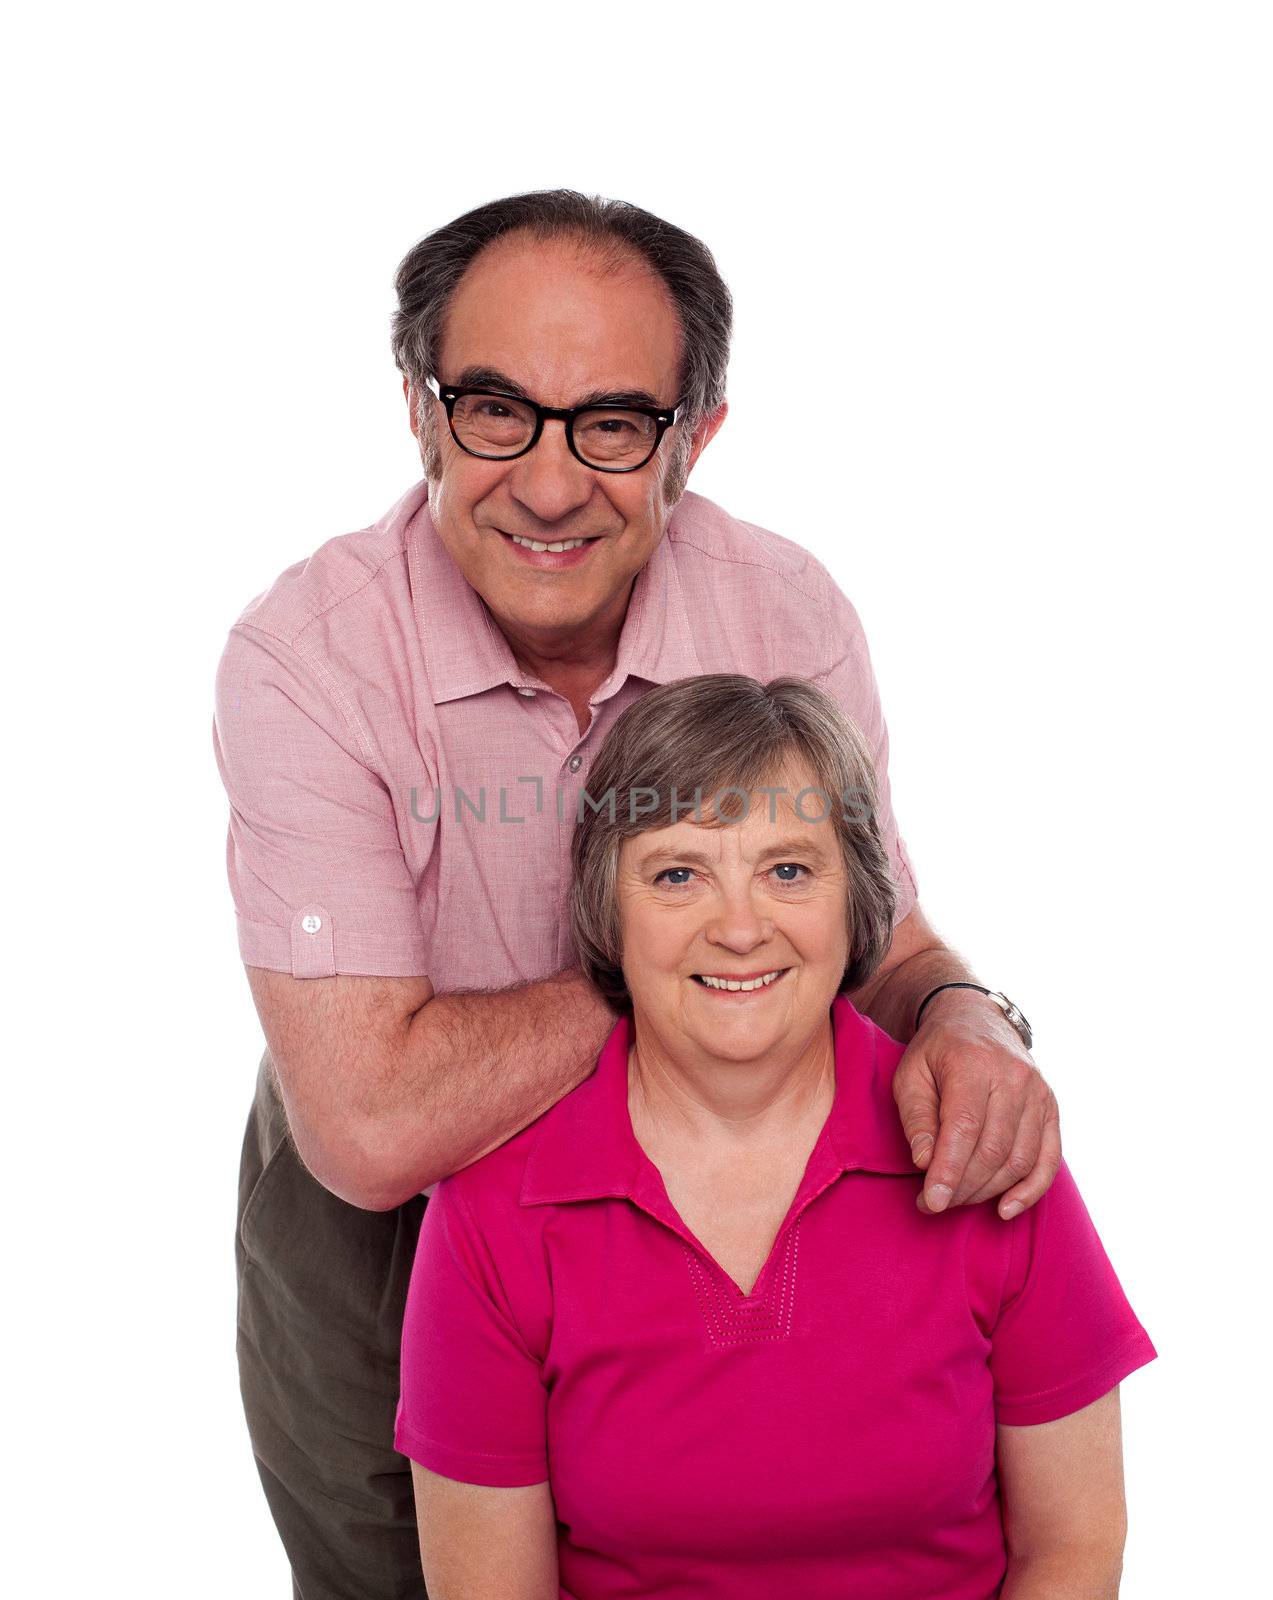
<point x="1013" y="1012"/>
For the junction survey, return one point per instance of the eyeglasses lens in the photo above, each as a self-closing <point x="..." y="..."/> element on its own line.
<point x="615" y="438"/>
<point x="492" y="425"/>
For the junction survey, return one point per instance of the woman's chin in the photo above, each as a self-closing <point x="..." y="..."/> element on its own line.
<point x="742" y="1025"/>
<point x="734" y="1025"/>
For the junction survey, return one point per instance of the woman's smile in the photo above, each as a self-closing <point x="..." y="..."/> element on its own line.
<point x="739" y="985"/>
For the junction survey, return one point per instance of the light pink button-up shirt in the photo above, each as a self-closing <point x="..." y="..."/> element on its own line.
<point x="402" y="793"/>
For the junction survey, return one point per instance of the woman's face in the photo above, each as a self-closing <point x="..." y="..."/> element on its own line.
<point x="750" y="900"/>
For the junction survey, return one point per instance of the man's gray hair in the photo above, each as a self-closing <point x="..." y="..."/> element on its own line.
<point x="709" y="736"/>
<point x="431" y="271"/>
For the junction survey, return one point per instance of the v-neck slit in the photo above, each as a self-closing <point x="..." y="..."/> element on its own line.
<point x="650" y="1194"/>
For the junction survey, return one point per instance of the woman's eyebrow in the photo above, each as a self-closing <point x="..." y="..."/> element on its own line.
<point x="693" y="858"/>
<point x="797" y="845"/>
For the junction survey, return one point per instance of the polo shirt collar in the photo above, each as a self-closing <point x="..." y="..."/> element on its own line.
<point x="586" y="1150"/>
<point x="657" y="641"/>
<point x="465" y="652"/>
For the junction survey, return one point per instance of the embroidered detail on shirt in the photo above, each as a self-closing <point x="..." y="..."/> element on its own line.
<point x="730" y="1319"/>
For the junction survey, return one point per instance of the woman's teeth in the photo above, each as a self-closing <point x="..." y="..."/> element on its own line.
<point x="534" y="544"/>
<point x="734" y="983"/>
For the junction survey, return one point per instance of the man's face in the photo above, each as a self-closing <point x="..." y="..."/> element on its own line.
<point x="562" y="325"/>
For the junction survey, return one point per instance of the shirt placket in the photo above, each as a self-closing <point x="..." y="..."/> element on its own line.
<point x="561" y="786"/>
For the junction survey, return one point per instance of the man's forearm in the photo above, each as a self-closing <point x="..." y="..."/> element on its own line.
<point x="476" y="1068"/>
<point x="916" y="964"/>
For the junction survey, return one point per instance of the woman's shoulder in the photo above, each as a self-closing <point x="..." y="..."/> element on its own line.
<point x="496" y="1184"/>
<point x="493" y="1183"/>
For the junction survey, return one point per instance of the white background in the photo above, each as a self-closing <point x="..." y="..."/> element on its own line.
<point x="1025" y="249"/>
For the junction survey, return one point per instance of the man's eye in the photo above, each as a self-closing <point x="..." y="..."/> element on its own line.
<point x="680" y="874"/>
<point x="790" y="871"/>
<point x="492" y="408"/>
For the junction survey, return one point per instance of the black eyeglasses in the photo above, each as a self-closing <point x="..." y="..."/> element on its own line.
<point x="500" y="427"/>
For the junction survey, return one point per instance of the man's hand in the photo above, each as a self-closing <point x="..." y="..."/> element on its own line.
<point x="977" y="1113"/>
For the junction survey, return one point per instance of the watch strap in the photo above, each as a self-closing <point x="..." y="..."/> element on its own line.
<point x="1010" y="1010"/>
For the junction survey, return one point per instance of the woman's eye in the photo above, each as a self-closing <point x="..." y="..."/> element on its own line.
<point x="789" y="871"/>
<point x="681" y="875"/>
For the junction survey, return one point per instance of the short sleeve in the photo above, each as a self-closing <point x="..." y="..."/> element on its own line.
<point x="473" y="1404"/>
<point x="316" y="867"/>
<point x="1065" y="1334"/>
<point x="850" y="681"/>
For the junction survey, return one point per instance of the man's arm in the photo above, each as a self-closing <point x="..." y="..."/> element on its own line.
<point x="389" y="1088"/>
<point x="978" y="1115"/>
<point x="966" y="1066"/>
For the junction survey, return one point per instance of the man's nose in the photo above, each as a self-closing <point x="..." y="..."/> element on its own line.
<point x="548" y="480"/>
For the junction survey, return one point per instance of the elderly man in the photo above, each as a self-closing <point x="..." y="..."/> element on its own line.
<point x="404" y="726"/>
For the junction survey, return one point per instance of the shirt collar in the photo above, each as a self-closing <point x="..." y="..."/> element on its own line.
<point x="465" y="652"/>
<point x="586" y="1150"/>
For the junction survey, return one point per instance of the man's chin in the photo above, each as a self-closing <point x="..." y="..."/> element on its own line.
<point x="551" y="611"/>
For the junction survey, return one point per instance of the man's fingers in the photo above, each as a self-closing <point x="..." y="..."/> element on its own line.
<point x="963" y="1116"/>
<point x="1001" y="1125"/>
<point x="916" y="1096"/>
<point x="922" y="1147"/>
<point x="1021" y="1160"/>
<point x="1023" y="1195"/>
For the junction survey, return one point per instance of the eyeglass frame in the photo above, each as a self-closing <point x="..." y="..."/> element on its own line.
<point x="665" y="417"/>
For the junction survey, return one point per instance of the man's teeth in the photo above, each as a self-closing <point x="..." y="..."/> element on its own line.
<point x="534" y="544"/>
<point x="733" y="983"/>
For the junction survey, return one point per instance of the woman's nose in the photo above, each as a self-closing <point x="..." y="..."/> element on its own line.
<point x="739" y="924"/>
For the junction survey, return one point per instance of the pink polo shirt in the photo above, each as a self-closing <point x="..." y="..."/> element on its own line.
<point x="830" y="1434"/>
<point x="402" y="794"/>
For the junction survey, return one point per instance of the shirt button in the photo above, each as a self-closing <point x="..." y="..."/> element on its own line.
<point x="575" y="763"/>
<point x="311" y="924"/>
<point x="529" y="693"/>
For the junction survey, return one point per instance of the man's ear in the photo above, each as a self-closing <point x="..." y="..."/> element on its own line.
<point x="410" y="399"/>
<point x="706" y="432"/>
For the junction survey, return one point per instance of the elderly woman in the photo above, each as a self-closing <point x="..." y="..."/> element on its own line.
<point x="688" y="1334"/>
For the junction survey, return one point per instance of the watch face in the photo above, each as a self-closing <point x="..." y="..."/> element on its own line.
<point x="1015" y="1016"/>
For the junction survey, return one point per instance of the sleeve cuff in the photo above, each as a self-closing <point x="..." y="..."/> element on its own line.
<point x="1049" y="1404"/>
<point x="313" y="947"/>
<point x="471" y="1466"/>
<point x="904" y="880"/>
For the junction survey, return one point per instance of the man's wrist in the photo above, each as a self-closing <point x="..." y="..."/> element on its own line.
<point x="962" y="996"/>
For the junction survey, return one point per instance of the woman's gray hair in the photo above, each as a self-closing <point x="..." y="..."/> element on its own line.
<point x="701" y="740"/>
<point x="431" y="271"/>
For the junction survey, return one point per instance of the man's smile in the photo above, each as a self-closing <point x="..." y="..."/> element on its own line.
<point x="549" y="555"/>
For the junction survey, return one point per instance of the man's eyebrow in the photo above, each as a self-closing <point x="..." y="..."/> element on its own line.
<point x="620" y="397"/>
<point x="489" y="378"/>
<point x="479" y="377"/>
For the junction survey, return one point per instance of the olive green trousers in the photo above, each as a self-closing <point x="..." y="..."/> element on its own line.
<point x="322" y="1287"/>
